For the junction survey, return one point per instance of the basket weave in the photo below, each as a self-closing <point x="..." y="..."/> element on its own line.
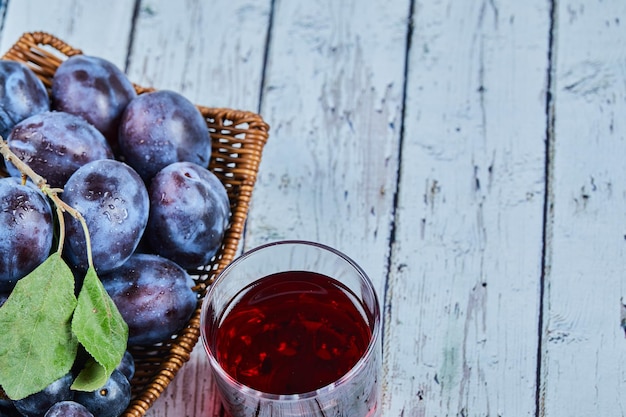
<point x="238" y="140"/>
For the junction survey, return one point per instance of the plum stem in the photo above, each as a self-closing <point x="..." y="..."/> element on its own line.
<point x="53" y="193"/>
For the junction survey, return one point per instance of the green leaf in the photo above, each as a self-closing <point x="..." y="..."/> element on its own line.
<point x="101" y="330"/>
<point x="36" y="342"/>
<point x="91" y="377"/>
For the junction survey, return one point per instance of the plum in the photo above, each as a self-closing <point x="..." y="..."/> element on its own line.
<point x="162" y="127"/>
<point x="110" y="400"/>
<point x="95" y="89"/>
<point x="22" y="94"/>
<point x="68" y="409"/>
<point x="3" y="297"/>
<point x="26" y="230"/>
<point x="154" y="296"/>
<point x="55" y="144"/>
<point x="9" y="411"/>
<point x="127" y="365"/>
<point x="37" y="404"/>
<point x="189" y="212"/>
<point x="114" y="202"/>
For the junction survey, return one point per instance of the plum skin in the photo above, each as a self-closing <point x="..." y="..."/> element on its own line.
<point x="94" y="89"/>
<point x="154" y="296"/>
<point x="55" y="144"/>
<point x="114" y="201"/>
<point x="68" y="408"/>
<point x="110" y="400"/>
<point x="36" y="405"/>
<point x="127" y="365"/>
<point x="26" y="230"/>
<point x="162" y="127"/>
<point x="189" y="213"/>
<point x="22" y="95"/>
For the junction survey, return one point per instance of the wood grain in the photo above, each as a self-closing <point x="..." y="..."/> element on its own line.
<point x="463" y="295"/>
<point x="211" y="52"/>
<point x="98" y="27"/>
<point x="584" y="363"/>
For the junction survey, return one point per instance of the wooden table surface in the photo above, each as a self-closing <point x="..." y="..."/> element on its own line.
<point x="469" y="155"/>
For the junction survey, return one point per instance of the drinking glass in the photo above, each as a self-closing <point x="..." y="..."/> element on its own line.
<point x="353" y="393"/>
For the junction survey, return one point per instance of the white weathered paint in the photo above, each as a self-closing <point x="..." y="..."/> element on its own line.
<point x="458" y="262"/>
<point x="210" y="51"/>
<point x="464" y="285"/>
<point x="584" y="348"/>
<point x="98" y="27"/>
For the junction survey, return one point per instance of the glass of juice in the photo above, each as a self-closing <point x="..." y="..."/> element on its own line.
<point x="292" y="328"/>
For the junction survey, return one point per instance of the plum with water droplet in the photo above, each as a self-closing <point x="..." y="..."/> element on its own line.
<point x="114" y="202"/>
<point x="26" y="230"/>
<point x="55" y="144"/>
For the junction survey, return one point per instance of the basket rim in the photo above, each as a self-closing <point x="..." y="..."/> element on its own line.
<point x="43" y="52"/>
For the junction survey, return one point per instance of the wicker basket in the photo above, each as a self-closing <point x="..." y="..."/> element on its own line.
<point x="238" y="141"/>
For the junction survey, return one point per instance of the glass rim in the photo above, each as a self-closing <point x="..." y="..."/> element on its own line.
<point x="369" y="351"/>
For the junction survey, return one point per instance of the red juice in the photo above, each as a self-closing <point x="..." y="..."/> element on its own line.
<point x="292" y="332"/>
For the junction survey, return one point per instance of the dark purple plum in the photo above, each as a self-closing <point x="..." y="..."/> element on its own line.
<point x="37" y="404"/>
<point x="55" y="144"/>
<point x="22" y="94"/>
<point x="26" y="230"/>
<point x="7" y="409"/>
<point x="114" y="202"/>
<point x="153" y="295"/>
<point x="3" y="298"/>
<point x="160" y="128"/>
<point x="127" y="365"/>
<point x="68" y="409"/>
<point x="95" y="89"/>
<point x="189" y="212"/>
<point x="110" y="400"/>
